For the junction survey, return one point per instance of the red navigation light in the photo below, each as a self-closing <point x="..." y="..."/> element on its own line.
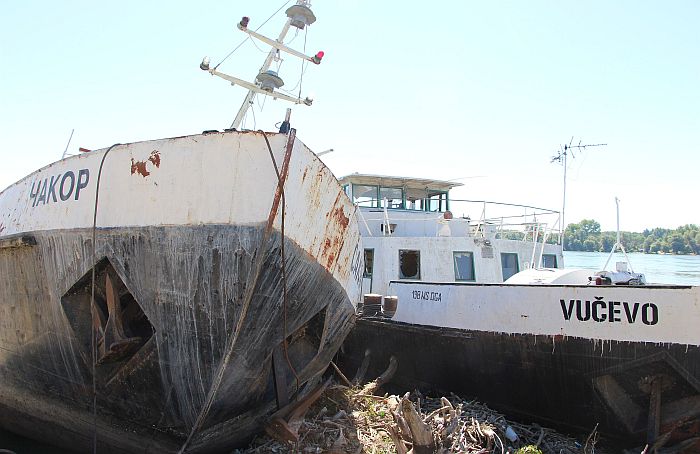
<point x="244" y="22"/>
<point x="318" y="57"/>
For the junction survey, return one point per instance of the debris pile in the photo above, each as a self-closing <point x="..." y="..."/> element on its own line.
<point x="353" y="420"/>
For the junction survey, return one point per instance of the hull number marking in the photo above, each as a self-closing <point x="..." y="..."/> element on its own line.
<point x="426" y="296"/>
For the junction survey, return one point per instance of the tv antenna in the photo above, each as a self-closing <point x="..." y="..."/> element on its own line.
<point x="561" y="157"/>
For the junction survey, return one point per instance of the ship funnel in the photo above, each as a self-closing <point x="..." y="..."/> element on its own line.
<point x="301" y="16"/>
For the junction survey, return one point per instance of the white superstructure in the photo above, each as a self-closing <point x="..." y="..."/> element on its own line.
<point x="412" y="230"/>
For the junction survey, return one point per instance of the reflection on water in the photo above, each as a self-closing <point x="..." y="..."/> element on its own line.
<point x="658" y="269"/>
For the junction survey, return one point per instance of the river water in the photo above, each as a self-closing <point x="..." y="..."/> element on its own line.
<point x="658" y="269"/>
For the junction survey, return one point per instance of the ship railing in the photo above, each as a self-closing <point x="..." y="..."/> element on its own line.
<point x="477" y="218"/>
<point x="489" y="219"/>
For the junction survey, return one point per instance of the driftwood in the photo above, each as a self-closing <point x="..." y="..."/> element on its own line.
<point x="387" y="375"/>
<point x="284" y="424"/>
<point x="341" y="374"/>
<point x="360" y="375"/>
<point x="421" y="433"/>
<point x="396" y="438"/>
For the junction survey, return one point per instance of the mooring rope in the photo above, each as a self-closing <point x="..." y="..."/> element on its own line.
<point x="257" y="268"/>
<point x="280" y="186"/>
<point x="93" y="331"/>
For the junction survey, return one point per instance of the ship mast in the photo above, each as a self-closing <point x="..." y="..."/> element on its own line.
<point x="248" y="101"/>
<point x="267" y="81"/>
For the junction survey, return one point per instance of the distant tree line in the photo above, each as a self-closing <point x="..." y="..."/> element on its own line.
<point x="586" y="236"/>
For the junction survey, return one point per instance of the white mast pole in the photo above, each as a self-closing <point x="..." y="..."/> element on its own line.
<point x="617" y="210"/>
<point x="618" y="243"/>
<point x="248" y="101"/>
<point x="562" y="226"/>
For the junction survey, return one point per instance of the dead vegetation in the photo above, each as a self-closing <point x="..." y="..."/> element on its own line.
<point x="352" y="419"/>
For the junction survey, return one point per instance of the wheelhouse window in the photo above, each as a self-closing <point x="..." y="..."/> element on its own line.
<point x="437" y="201"/>
<point x="415" y="199"/>
<point x="398" y="198"/>
<point x="393" y="197"/>
<point x="369" y="263"/>
<point x="364" y="196"/>
<point x="509" y="264"/>
<point x="409" y="264"/>
<point x="549" y="260"/>
<point x="464" y="266"/>
<point x="415" y="204"/>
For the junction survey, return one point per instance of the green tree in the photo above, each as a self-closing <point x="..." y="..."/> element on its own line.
<point x="587" y="236"/>
<point x="576" y="234"/>
<point x="589" y="227"/>
<point x="678" y="245"/>
<point x="607" y="241"/>
<point x="590" y="245"/>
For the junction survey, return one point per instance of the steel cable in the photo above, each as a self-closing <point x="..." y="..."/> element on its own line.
<point x="92" y="304"/>
<point x="280" y="185"/>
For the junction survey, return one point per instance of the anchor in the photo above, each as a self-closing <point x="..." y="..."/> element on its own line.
<point x="112" y="342"/>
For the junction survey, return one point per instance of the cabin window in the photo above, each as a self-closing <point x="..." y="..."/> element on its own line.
<point x="369" y="263"/>
<point x="415" y="199"/>
<point x="389" y="230"/>
<point x="347" y="189"/>
<point x="437" y="201"/>
<point x="393" y="196"/>
<point x="415" y="204"/>
<point x="464" y="266"/>
<point x="509" y="264"/>
<point x="409" y="264"/>
<point x="549" y="260"/>
<point x="364" y="196"/>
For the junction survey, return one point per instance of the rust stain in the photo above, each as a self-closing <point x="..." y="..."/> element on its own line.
<point x="330" y="250"/>
<point x="336" y="226"/>
<point x="326" y="246"/>
<point x="257" y="133"/>
<point x="340" y="217"/>
<point x="139" y="167"/>
<point x="283" y="179"/>
<point x="336" y="249"/>
<point x="331" y="259"/>
<point x="155" y="158"/>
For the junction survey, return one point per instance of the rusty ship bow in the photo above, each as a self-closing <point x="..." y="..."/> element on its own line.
<point x="161" y="296"/>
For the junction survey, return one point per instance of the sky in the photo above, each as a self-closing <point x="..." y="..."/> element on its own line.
<point x="484" y="93"/>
